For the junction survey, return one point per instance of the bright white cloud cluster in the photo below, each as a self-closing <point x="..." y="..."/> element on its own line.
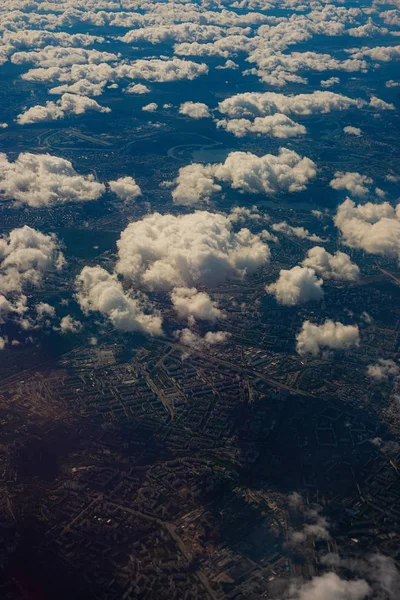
<point x="68" y="104"/>
<point x="277" y="125"/>
<point x="374" y="228"/>
<point x="295" y="286"/>
<point x="42" y="180"/>
<point x="99" y="291"/>
<point x="190" y="304"/>
<point x="330" y="335"/>
<point x="161" y="252"/>
<point x="336" y="266"/>
<point x="353" y="182"/>
<point x="259" y="104"/>
<point x="25" y="256"/>
<point x="246" y="172"/>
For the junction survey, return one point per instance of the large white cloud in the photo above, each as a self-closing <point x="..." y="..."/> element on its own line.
<point x="330" y="587"/>
<point x="295" y="286"/>
<point x="30" y="38"/>
<point x="189" y="303"/>
<point x="259" y="104"/>
<point x="374" y="228"/>
<point x="330" y="335"/>
<point x="353" y="182"/>
<point x="53" y="56"/>
<point x="25" y="256"/>
<point x="163" y="70"/>
<point x="276" y="68"/>
<point x="161" y="252"/>
<point x="251" y="174"/>
<point x="125" y="188"/>
<point x="195" y="184"/>
<point x="277" y="125"/>
<point x="42" y="180"/>
<point x="99" y="291"/>
<point x="68" y="104"/>
<point x="182" y="32"/>
<point x="336" y="266"/>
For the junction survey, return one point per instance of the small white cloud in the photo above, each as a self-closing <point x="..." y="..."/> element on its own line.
<point x="350" y="130"/>
<point x="195" y="110"/>
<point x="152" y="107"/>
<point x="125" y="188"/>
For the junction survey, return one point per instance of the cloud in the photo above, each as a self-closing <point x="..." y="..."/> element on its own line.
<point x="384" y="369"/>
<point x="250" y="174"/>
<point x="379" y="570"/>
<point x="327" y="83"/>
<point x="298" y="232"/>
<point x="330" y="587"/>
<point x="150" y="107"/>
<point x="25" y="256"/>
<point x="82" y="87"/>
<point x="58" y="56"/>
<point x="380" y="104"/>
<point x="316" y="526"/>
<point x="336" y="266"/>
<point x="353" y="182"/>
<point x="193" y="340"/>
<point x="137" y="88"/>
<point x="195" y="110"/>
<point x="368" y="30"/>
<point x="69" y="325"/>
<point x="69" y="104"/>
<point x="29" y="38"/>
<point x="181" y="32"/>
<point x="189" y="303"/>
<point x="161" y="252"/>
<point x="392" y="84"/>
<point x="195" y="184"/>
<point x="374" y="228"/>
<point x="259" y="104"/>
<point x="163" y="70"/>
<point x="125" y="188"/>
<point x="350" y="130"/>
<point x="378" y="53"/>
<point x="99" y="291"/>
<point x="330" y="335"/>
<point x="278" y="126"/>
<point x="42" y="180"/>
<point x="295" y="286"/>
<point x="241" y="214"/>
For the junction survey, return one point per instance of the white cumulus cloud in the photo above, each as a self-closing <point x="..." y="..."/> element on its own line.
<point x="161" y="252"/>
<point x="42" y="180"/>
<point x="336" y="266"/>
<point x="99" y="291"/>
<point x="125" y="188"/>
<point x="330" y="335"/>
<point x="295" y="286"/>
